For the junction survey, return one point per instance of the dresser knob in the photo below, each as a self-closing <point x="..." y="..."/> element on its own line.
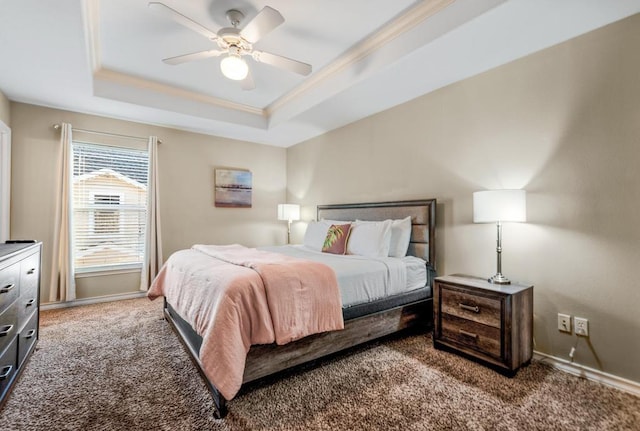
<point x="5" y="330"/>
<point x="7" y="288"/>
<point x="30" y="334"/>
<point x="6" y="372"/>
<point x="31" y="271"/>
<point x="30" y="302"/>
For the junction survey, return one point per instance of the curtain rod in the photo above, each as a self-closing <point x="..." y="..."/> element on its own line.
<point x="116" y="135"/>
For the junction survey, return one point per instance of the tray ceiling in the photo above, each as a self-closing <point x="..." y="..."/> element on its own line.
<point x="104" y="57"/>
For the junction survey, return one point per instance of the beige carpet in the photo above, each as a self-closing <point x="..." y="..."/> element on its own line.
<point x="118" y="366"/>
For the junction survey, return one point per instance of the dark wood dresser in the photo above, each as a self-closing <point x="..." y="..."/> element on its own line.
<point x="19" y="309"/>
<point x="489" y="322"/>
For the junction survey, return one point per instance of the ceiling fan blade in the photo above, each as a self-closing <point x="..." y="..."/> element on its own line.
<point x="194" y="56"/>
<point x="248" y="83"/>
<point x="266" y="20"/>
<point x="282" y="62"/>
<point x="182" y="20"/>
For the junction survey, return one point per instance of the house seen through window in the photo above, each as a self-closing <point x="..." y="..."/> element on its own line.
<point x="109" y="207"/>
<point x="105" y="219"/>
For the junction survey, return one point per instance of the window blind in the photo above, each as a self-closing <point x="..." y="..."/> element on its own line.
<point x="109" y="207"/>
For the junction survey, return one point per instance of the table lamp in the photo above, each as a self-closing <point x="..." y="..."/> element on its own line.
<point x="288" y="212"/>
<point x="498" y="206"/>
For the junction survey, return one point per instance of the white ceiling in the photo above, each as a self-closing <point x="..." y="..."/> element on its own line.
<point x="104" y="57"/>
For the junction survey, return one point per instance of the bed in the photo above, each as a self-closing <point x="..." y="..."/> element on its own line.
<point x="363" y="321"/>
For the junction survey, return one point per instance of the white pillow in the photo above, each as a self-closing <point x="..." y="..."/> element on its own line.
<point x="336" y="222"/>
<point x="315" y="235"/>
<point x="370" y="239"/>
<point x="400" y="237"/>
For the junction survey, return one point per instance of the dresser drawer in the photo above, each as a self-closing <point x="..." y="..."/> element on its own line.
<point x="469" y="305"/>
<point x="482" y="338"/>
<point x="9" y="285"/>
<point x="29" y="280"/>
<point x="30" y="274"/>
<point x="8" y="325"/>
<point x="27" y="338"/>
<point x="26" y="306"/>
<point x="8" y="366"/>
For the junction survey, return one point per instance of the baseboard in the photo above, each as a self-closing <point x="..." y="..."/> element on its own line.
<point x="592" y="374"/>
<point x="94" y="300"/>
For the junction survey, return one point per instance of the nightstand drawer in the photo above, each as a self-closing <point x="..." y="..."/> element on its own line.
<point x="471" y="306"/>
<point x="485" y="339"/>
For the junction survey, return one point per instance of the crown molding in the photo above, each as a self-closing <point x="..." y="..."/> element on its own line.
<point x="124" y="79"/>
<point x="91" y="17"/>
<point x="402" y="24"/>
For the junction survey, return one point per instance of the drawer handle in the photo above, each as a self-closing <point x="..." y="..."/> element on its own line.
<point x="31" y="271"/>
<point x="6" y="372"/>
<point x="473" y="308"/>
<point x="468" y="334"/>
<point x="5" y="330"/>
<point x="30" y="302"/>
<point x="7" y="288"/>
<point x="30" y="334"/>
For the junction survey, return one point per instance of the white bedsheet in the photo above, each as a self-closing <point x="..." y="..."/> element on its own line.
<point x="365" y="279"/>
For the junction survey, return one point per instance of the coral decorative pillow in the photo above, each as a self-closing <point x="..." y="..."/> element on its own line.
<point x="336" y="240"/>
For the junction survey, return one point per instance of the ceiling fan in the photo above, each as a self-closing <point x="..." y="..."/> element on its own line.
<point x="235" y="43"/>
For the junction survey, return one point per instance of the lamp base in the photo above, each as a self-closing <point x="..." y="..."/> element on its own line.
<point x="499" y="279"/>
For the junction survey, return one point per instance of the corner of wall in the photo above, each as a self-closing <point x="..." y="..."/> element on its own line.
<point x="5" y="109"/>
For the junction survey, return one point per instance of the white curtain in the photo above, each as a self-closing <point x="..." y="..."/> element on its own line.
<point x="153" y="243"/>
<point x="63" y="283"/>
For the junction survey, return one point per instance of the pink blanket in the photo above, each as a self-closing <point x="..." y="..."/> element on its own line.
<point x="235" y="297"/>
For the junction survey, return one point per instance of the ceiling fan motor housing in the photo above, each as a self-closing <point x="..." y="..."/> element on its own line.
<point x="229" y="37"/>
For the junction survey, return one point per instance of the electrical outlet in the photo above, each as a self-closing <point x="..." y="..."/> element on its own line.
<point x="582" y="326"/>
<point x="564" y="322"/>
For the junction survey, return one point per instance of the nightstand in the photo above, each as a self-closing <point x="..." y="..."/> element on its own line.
<point x="488" y="322"/>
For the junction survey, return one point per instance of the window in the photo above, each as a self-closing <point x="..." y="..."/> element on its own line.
<point x="109" y="207"/>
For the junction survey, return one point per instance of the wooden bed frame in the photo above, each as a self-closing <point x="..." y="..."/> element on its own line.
<point x="265" y="360"/>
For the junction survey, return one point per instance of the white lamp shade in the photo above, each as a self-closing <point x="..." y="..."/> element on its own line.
<point x="288" y="212"/>
<point x="499" y="205"/>
<point x="234" y="67"/>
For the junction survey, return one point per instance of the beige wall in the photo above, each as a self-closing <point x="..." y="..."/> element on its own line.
<point x="4" y="109"/>
<point x="564" y="124"/>
<point x="187" y="162"/>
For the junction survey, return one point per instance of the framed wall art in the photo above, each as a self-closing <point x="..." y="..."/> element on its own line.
<point x="233" y="188"/>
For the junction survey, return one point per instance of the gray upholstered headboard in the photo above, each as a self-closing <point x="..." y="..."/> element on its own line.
<point x="423" y="221"/>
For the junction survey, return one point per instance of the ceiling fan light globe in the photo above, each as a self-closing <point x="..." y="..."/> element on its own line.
<point x="234" y="67"/>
